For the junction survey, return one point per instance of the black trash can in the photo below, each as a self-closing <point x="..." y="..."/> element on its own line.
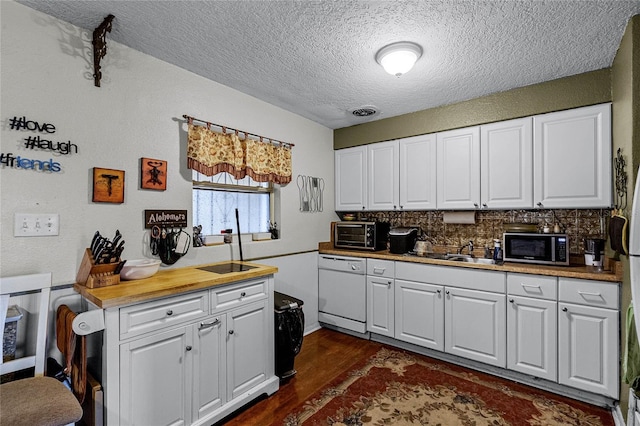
<point x="289" y="330"/>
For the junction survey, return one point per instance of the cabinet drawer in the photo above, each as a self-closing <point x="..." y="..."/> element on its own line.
<point x="233" y="295"/>
<point x="472" y="279"/>
<point x="380" y="268"/>
<point x="590" y="293"/>
<point x="151" y="316"/>
<point x="538" y="286"/>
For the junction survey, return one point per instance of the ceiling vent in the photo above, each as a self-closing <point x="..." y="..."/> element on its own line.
<point x="365" y="111"/>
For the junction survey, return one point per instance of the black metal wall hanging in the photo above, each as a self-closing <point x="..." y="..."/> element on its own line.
<point x="100" y="47"/>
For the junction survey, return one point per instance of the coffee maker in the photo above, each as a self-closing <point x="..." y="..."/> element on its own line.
<point x="594" y="252"/>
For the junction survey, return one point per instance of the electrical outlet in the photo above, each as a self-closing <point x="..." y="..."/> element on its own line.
<point x="36" y="224"/>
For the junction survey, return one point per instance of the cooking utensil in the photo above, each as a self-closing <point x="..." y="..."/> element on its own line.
<point x="320" y="194"/>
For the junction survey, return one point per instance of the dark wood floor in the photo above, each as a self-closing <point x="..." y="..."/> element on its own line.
<point x="325" y="354"/>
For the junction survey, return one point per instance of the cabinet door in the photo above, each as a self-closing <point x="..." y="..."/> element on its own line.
<point x="506" y="153"/>
<point x="475" y="325"/>
<point x="459" y="168"/>
<point x="380" y="305"/>
<point x="532" y="329"/>
<point x="351" y="178"/>
<point x="419" y="314"/>
<point x="572" y="158"/>
<point x="418" y="173"/>
<point x="154" y="379"/>
<point x="247" y="332"/>
<point x="383" y="176"/>
<point x="209" y="365"/>
<point x="588" y="348"/>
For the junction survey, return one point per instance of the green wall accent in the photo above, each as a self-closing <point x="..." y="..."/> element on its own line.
<point x="569" y="92"/>
<point x="625" y="88"/>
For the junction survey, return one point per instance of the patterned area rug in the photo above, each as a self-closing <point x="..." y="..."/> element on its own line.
<point x="399" y="388"/>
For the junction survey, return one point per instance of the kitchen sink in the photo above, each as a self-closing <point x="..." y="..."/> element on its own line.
<point x="455" y="258"/>
<point x="481" y="260"/>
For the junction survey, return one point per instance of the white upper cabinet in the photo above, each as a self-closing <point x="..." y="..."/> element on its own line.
<point x="383" y="176"/>
<point x="458" y="168"/>
<point x="351" y="178"/>
<point x="572" y="158"/>
<point x="418" y="173"/>
<point x="506" y="155"/>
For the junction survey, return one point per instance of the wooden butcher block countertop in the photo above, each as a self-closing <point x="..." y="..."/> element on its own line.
<point x="169" y="282"/>
<point x="612" y="273"/>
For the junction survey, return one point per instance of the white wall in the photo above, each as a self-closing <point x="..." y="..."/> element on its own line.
<point x="298" y="277"/>
<point x="46" y="68"/>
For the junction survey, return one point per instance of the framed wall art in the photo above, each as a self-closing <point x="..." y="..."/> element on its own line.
<point x="153" y="174"/>
<point x="108" y="185"/>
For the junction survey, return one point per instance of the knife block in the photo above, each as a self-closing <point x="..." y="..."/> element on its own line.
<point x="91" y="275"/>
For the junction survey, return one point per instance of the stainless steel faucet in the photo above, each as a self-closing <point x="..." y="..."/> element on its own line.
<point x="469" y="246"/>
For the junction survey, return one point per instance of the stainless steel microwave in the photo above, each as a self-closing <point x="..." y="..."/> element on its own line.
<point x="546" y="249"/>
<point x="361" y="235"/>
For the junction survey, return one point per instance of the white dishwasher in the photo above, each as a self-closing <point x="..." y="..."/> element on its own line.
<point x="342" y="292"/>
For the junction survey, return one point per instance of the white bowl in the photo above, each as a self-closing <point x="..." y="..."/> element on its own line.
<point x="137" y="269"/>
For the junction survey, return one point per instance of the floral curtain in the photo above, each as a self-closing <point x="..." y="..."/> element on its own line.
<point x="211" y="152"/>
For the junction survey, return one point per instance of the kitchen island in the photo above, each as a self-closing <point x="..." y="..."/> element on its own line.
<point x="186" y="346"/>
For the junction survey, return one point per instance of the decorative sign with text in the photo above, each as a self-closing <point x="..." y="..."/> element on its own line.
<point x="37" y="142"/>
<point x="165" y="218"/>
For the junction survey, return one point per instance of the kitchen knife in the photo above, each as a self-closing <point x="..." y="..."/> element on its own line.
<point x="94" y="241"/>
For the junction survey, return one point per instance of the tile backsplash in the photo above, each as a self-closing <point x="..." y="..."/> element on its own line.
<point x="578" y="224"/>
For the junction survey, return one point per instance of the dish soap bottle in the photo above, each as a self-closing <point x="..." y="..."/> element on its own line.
<point x="497" y="251"/>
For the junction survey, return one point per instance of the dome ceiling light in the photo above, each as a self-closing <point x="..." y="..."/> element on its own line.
<point x="399" y="58"/>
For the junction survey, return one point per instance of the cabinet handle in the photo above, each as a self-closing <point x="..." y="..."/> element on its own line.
<point x="438" y="291"/>
<point x="213" y="323"/>
<point x="188" y="348"/>
<point x="243" y="294"/>
<point x="230" y="331"/>
<point x="378" y="271"/>
<point x="447" y="291"/>
<point x="394" y="207"/>
<point x="539" y="204"/>
<point x="169" y="312"/>
<point x="475" y="205"/>
<point x="588" y="293"/>
<point x="353" y="267"/>
<point x="388" y="284"/>
<point x="362" y="207"/>
<point x="565" y="309"/>
<point x="530" y="285"/>
<point x="511" y="300"/>
<point x="401" y="207"/>
<point x="484" y="205"/>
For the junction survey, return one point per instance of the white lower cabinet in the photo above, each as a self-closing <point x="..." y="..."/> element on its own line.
<point x="532" y="325"/>
<point x="588" y="337"/>
<point x="154" y="379"/>
<point x="532" y="330"/>
<point x="380" y="296"/>
<point x="209" y="366"/>
<point x="246" y="340"/>
<point x="380" y="306"/>
<point x="475" y="325"/>
<point x="193" y="371"/>
<point x="419" y="314"/>
<point x="563" y="330"/>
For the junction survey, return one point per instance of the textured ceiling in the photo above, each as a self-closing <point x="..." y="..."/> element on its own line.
<point x="316" y="58"/>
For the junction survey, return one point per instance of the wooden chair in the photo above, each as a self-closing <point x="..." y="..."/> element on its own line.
<point x="37" y="400"/>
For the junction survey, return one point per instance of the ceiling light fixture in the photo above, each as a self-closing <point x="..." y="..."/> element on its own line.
<point x="399" y="58"/>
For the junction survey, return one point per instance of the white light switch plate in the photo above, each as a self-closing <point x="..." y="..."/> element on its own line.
<point x="36" y="224"/>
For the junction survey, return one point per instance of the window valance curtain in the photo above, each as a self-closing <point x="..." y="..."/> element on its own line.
<point x="210" y="152"/>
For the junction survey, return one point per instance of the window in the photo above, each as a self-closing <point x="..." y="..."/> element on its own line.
<point x="215" y="199"/>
